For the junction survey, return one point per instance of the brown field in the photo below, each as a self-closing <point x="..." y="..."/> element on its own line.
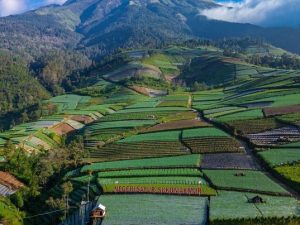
<point x="82" y="119"/>
<point x="148" y="91"/>
<point x="181" y="124"/>
<point x="62" y="129"/>
<point x="10" y="181"/>
<point x="232" y="60"/>
<point x="141" y="90"/>
<point x="274" y="111"/>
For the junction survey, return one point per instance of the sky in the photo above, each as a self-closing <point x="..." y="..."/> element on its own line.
<point x="11" y="7"/>
<point x="259" y="12"/>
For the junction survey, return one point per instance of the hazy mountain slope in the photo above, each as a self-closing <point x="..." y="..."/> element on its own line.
<point x="31" y="34"/>
<point x="97" y="27"/>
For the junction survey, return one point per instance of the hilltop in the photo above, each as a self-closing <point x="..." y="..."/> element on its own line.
<point x="98" y="27"/>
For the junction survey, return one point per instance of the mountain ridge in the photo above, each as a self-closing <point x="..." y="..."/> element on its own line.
<point x="99" y="27"/>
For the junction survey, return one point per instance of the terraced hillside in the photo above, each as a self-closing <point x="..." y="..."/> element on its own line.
<point x="225" y="155"/>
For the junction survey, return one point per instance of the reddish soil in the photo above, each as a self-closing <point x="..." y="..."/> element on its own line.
<point x="7" y="179"/>
<point x="232" y="60"/>
<point x="62" y="129"/>
<point x="82" y="119"/>
<point x="273" y="111"/>
<point x="178" y="125"/>
<point x="141" y="90"/>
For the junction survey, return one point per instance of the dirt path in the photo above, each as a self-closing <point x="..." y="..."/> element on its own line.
<point x="190" y="101"/>
<point x="186" y="148"/>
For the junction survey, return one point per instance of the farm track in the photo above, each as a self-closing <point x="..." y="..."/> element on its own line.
<point x="250" y="152"/>
<point x="184" y="145"/>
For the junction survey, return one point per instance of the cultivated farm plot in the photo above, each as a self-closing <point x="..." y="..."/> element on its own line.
<point x="290" y="172"/>
<point x="228" y="205"/>
<point x="157" y="109"/>
<point x="273" y="111"/>
<point x="222" y="111"/>
<point x="150" y="115"/>
<point x="174" y="186"/>
<point x="293" y="118"/>
<point x="244" y="180"/>
<point x="210" y="140"/>
<point x="280" y="156"/>
<point x="144" y="104"/>
<point x="137" y="150"/>
<point x="154" y="209"/>
<point x="99" y="130"/>
<point x="254" y="126"/>
<point x="203" y="132"/>
<point x="276" y="136"/>
<point x="185" y="172"/>
<point x="96" y="138"/>
<point x="213" y="145"/>
<point x="228" y="161"/>
<point x="175" y="101"/>
<point x="153" y="180"/>
<point x="186" y="161"/>
<point x="68" y="102"/>
<point x="120" y="124"/>
<point x="157" y="136"/>
<point x="177" y="125"/>
<point x="244" y="115"/>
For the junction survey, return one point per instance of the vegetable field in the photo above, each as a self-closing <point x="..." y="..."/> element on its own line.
<point x="190" y="161"/>
<point x="154" y="209"/>
<point x="234" y="205"/>
<point x="280" y="156"/>
<point x="244" y="180"/>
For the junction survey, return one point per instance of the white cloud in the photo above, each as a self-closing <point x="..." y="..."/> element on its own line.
<point x="9" y="7"/>
<point x="60" y="2"/>
<point x="266" y="12"/>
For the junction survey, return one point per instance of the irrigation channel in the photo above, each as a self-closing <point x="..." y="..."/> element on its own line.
<point x="249" y="150"/>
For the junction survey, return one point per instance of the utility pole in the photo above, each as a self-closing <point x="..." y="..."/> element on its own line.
<point x="82" y="211"/>
<point x="89" y="182"/>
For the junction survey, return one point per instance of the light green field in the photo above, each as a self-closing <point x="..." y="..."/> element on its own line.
<point x="187" y="161"/>
<point x="280" y="156"/>
<point x="244" y="115"/>
<point x="120" y="124"/>
<point x="154" y="209"/>
<point x="158" y="136"/>
<point x="204" y="132"/>
<point x="251" y="181"/>
<point x="234" y="205"/>
<point x="188" y="172"/>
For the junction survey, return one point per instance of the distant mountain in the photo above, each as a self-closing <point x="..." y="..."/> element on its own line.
<point x="97" y="27"/>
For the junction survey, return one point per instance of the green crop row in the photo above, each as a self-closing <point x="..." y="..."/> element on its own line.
<point x="188" y="172"/>
<point x="255" y="181"/>
<point x="234" y="207"/>
<point x="186" y="161"/>
<point x="154" y="209"/>
<point x="280" y="156"/>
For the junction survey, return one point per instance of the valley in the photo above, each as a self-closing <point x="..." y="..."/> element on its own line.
<point x="175" y="135"/>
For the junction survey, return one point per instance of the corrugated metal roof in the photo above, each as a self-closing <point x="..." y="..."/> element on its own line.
<point x="6" y="191"/>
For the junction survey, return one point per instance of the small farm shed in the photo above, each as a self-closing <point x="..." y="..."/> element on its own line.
<point x="98" y="212"/>
<point x="256" y="199"/>
<point x="9" y="184"/>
